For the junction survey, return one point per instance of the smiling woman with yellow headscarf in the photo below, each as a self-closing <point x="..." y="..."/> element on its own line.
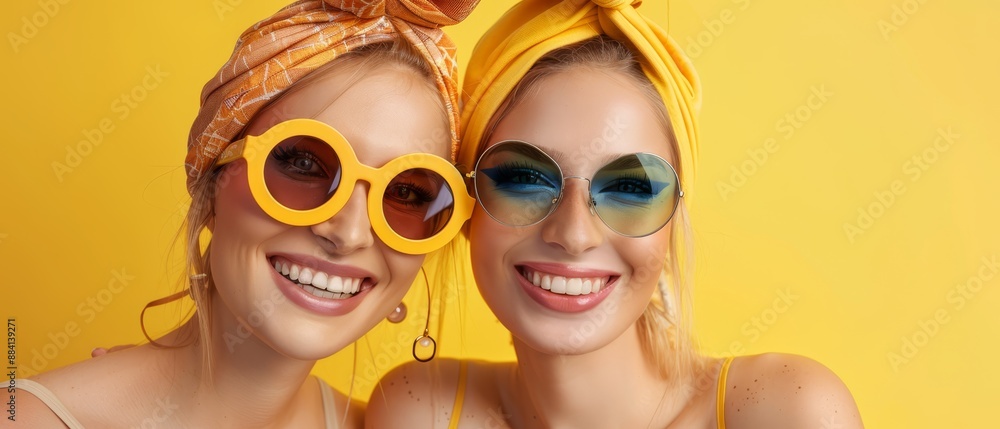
<point x="580" y="141"/>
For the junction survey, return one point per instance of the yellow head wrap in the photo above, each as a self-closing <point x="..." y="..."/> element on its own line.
<point x="275" y="53"/>
<point x="534" y="28"/>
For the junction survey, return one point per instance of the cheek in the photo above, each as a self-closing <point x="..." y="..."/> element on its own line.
<point x="490" y="246"/>
<point x="646" y="256"/>
<point x="233" y="201"/>
<point x="239" y="225"/>
<point x="404" y="270"/>
<point x="489" y="243"/>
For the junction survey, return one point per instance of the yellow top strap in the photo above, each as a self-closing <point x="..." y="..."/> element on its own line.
<point x="456" y="410"/>
<point x="720" y="403"/>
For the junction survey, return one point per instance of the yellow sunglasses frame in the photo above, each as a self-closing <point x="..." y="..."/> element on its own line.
<point x="248" y="148"/>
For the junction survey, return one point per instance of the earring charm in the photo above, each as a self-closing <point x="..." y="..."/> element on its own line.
<point x="425" y="341"/>
<point x="398" y="314"/>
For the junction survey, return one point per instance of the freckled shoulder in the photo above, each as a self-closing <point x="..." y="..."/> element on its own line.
<point x="414" y="394"/>
<point x="423" y="394"/>
<point x="777" y="391"/>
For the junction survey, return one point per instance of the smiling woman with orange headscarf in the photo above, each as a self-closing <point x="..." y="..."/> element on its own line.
<point x="580" y="138"/>
<point x="303" y="257"/>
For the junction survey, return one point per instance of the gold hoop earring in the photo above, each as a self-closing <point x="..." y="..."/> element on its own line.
<point x="425" y="340"/>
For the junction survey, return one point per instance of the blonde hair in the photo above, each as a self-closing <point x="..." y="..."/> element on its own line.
<point x="201" y="211"/>
<point x="665" y="327"/>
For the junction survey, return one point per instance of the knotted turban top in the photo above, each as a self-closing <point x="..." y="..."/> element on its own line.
<point x="533" y="28"/>
<point x="273" y="54"/>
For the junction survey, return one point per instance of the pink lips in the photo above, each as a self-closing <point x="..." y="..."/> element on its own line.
<point x="565" y="303"/>
<point x="315" y="304"/>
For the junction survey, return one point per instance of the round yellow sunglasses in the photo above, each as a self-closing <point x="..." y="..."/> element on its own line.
<point x="309" y="170"/>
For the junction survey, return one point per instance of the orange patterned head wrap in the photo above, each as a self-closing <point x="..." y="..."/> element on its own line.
<point x="275" y="53"/>
<point x="533" y="28"/>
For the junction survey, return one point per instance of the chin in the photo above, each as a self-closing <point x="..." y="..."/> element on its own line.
<point x="568" y="334"/>
<point x="565" y="337"/>
<point x="309" y="340"/>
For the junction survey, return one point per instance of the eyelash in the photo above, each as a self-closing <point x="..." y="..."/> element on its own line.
<point x="423" y="194"/>
<point x="286" y="155"/>
<point x="506" y="172"/>
<point x="640" y="181"/>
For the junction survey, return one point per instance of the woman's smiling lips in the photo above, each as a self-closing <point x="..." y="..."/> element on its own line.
<point x="565" y="288"/>
<point x="320" y="286"/>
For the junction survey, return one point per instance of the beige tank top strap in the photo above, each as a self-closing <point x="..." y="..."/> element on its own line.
<point x="50" y="400"/>
<point x="329" y="404"/>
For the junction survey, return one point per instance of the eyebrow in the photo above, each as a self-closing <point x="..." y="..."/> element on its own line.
<point x="527" y="149"/>
<point x="633" y="162"/>
<point x="619" y="161"/>
<point x="558" y="156"/>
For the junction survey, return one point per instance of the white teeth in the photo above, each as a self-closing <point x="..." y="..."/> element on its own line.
<point x="319" y="283"/>
<point x="566" y="285"/>
<point x="336" y="284"/>
<point x="306" y="276"/>
<point x="320" y="280"/>
<point x="574" y="286"/>
<point x="558" y="284"/>
<point x="325" y="294"/>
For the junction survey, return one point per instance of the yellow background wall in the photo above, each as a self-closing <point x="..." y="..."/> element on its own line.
<point x="846" y="206"/>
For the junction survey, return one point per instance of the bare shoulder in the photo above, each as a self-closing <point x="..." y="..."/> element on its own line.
<point x="776" y="390"/>
<point x="32" y="413"/>
<point x="418" y="394"/>
<point x="414" y="394"/>
<point x="95" y="390"/>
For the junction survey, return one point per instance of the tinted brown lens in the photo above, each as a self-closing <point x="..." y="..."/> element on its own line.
<point x="302" y="172"/>
<point x="418" y="203"/>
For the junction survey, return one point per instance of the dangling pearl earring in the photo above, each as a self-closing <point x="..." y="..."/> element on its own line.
<point x="398" y="314"/>
<point x="425" y="341"/>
